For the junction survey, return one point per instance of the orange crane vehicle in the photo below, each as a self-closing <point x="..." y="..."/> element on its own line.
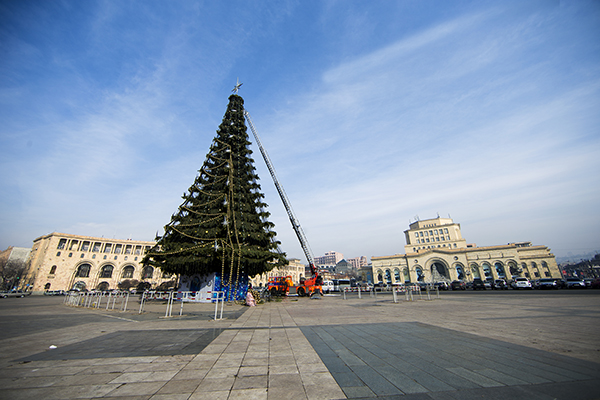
<point x="283" y="285"/>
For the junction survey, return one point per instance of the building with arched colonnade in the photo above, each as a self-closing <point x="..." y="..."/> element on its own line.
<point x="60" y="261"/>
<point x="436" y="251"/>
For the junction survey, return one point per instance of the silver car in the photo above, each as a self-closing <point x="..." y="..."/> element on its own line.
<point x="521" y="283"/>
<point x="575" y="283"/>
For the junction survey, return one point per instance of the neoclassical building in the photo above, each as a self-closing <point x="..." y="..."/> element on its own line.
<point x="60" y="261"/>
<point x="436" y="251"/>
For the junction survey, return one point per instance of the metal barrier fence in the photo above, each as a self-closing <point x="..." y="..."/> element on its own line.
<point x="182" y="297"/>
<point x="95" y="299"/>
<point x="407" y="291"/>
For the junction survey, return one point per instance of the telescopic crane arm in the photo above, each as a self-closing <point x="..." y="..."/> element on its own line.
<point x="284" y="199"/>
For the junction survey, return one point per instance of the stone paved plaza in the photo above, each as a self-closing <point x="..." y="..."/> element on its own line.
<point x="462" y="345"/>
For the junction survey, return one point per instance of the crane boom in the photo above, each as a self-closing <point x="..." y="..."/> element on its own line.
<point x="286" y="202"/>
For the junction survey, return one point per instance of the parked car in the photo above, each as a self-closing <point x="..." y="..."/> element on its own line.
<point x="441" y="285"/>
<point x="478" y="284"/>
<point x="327" y="286"/>
<point x="522" y="283"/>
<point x="575" y="283"/>
<point x="54" y="293"/>
<point x="458" y="285"/>
<point x="14" y="293"/>
<point x="546" y="283"/>
<point x="588" y="282"/>
<point x="500" y="284"/>
<point x="595" y="284"/>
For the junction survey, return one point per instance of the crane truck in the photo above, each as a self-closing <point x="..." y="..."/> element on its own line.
<point x="283" y="285"/>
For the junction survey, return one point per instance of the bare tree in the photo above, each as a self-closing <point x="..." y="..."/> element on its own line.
<point x="12" y="270"/>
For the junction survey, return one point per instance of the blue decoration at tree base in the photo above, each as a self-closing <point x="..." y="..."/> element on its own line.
<point x="231" y="292"/>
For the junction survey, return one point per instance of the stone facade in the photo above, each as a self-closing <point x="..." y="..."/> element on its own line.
<point x="451" y="258"/>
<point x="60" y="261"/>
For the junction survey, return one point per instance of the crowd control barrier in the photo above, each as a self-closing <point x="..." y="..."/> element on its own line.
<point x="183" y="297"/>
<point x="407" y="291"/>
<point x="95" y="299"/>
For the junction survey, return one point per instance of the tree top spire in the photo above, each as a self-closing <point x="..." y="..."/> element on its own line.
<point x="237" y="86"/>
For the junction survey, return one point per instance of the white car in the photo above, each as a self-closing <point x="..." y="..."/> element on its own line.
<point x="521" y="283"/>
<point x="327" y="286"/>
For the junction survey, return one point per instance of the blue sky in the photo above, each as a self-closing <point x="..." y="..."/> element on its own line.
<point x="373" y="113"/>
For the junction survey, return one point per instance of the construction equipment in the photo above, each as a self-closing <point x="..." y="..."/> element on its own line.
<point x="307" y="287"/>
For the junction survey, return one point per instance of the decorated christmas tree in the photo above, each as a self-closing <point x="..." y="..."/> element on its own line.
<point x="222" y="225"/>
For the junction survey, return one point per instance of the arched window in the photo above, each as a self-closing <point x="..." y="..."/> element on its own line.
<point x="47" y="286"/>
<point x="128" y="272"/>
<point x="460" y="273"/>
<point x="420" y="274"/>
<point x="388" y="276"/>
<point x="397" y="275"/>
<point x="53" y="270"/>
<point x="147" y="272"/>
<point x="406" y="276"/>
<point x="487" y="272"/>
<point x="513" y="269"/>
<point x="107" y="271"/>
<point x="102" y="286"/>
<point x="83" y="271"/>
<point x="500" y="270"/>
<point x="475" y="271"/>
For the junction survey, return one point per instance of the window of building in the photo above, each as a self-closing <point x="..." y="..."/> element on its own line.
<point x="61" y="244"/>
<point x="138" y="250"/>
<point x="447" y="237"/>
<point x="118" y="249"/>
<point x="115" y="257"/>
<point x="106" y="271"/>
<point x="83" y="271"/>
<point x="74" y="244"/>
<point x="58" y="254"/>
<point x="443" y="238"/>
<point x="128" y="249"/>
<point x="97" y="247"/>
<point x="47" y="286"/>
<point x="93" y="256"/>
<point x="548" y="274"/>
<point x="128" y="272"/>
<point x="70" y="254"/>
<point x="81" y="255"/>
<point x="147" y="272"/>
<point x="107" y="247"/>
<point x="53" y="270"/>
<point x="85" y="246"/>
<point x="421" y="233"/>
<point x="445" y="230"/>
<point x="416" y="234"/>
<point x="104" y="257"/>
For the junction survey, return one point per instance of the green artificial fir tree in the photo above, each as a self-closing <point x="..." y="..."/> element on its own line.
<point x="221" y="227"/>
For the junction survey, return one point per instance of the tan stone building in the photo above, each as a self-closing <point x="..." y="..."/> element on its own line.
<point x="60" y="261"/>
<point x="436" y="251"/>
